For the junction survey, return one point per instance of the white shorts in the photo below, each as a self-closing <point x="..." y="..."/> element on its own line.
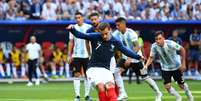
<point x="113" y="65"/>
<point x="97" y="75"/>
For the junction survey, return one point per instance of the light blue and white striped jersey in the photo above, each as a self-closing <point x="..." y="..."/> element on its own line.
<point x="127" y="38"/>
<point x="169" y="59"/>
<point x="80" y="49"/>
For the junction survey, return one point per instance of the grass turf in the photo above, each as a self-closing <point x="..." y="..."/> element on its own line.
<point x="64" y="92"/>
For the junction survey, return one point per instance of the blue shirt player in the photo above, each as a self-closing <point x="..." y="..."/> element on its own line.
<point x="103" y="45"/>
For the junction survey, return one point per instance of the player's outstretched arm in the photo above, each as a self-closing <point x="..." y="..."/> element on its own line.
<point x="87" y="36"/>
<point x="126" y="50"/>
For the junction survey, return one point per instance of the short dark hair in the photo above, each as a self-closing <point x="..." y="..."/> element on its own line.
<point x="94" y="14"/>
<point x="78" y="13"/>
<point x="103" y="25"/>
<point x="120" y="19"/>
<point x="157" y="33"/>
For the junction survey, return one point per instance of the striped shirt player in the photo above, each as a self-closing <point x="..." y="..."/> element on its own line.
<point x="80" y="56"/>
<point x="169" y="60"/>
<point x="130" y="39"/>
<point x="171" y="64"/>
<point x="80" y="50"/>
<point x="80" y="53"/>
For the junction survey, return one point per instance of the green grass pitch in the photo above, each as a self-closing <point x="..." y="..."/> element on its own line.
<point x="64" y="92"/>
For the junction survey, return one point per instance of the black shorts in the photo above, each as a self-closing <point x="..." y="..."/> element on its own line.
<point x="177" y="75"/>
<point x="135" y="67"/>
<point x="120" y="63"/>
<point x="78" y="63"/>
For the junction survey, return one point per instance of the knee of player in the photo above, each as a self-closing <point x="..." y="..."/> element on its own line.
<point x="167" y="86"/>
<point x="110" y="85"/>
<point x="100" y="87"/>
<point x="77" y="74"/>
<point x="181" y="86"/>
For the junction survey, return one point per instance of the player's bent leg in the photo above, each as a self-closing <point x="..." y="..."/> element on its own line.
<point x="188" y="93"/>
<point x="101" y="92"/>
<point x="119" y="81"/>
<point x="154" y="86"/>
<point x="111" y="94"/>
<point x="173" y="92"/>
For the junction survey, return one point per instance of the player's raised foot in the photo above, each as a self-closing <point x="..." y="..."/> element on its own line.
<point x="179" y="98"/>
<point x="88" y="98"/>
<point x="158" y="96"/>
<point x="77" y="98"/>
<point x="29" y="84"/>
<point x="122" y="97"/>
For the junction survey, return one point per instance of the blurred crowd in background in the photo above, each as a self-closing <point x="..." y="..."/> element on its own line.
<point x="108" y="9"/>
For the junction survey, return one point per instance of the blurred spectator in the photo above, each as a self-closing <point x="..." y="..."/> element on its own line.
<point x="15" y="61"/>
<point x="134" y="12"/>
<point x="118" y="9"/>
<point x="142" y="4"/>
<point x="175" y="37"/>
<point x="195" y="42"/>
<point x="3" y="9"/>
<point x="189" y="11"/>
<point x="49" y="10"/>
<point x="72" y="7"/>
<point x="176" y="11"/>
<point x="109" y="9"/>
<point x="146" y="13"/>
<point x="197" y="12"/>
<point x="2" y="61"/>
<point x="36" y="9"/>
<point x="12" y="10"/>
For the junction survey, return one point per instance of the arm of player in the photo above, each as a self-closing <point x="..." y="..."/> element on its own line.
<point x="127" y="51"/>
<point x="89" y="36"/>
<point x="151" y="57"/>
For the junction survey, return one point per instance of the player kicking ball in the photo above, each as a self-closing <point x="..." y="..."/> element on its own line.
<point x="103" y="45"/>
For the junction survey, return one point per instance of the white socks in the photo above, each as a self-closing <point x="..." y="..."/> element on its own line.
<point x="153" y="85"/>
<point x="77" y="86"/>
<point x="87" y="87"/>
<point x="188" y="92"/>
<point x="23" y="70"/>
<point x="38" y="72"/>
<point x="173" y="92"/>
<point x="61" y="69"/>
<point x="2" y="70"/>
<point x="8" y="69"/>
<point x="119" y="82"/>
<point x="67" y="70"/>
<point x="14" y="71"/>
<point x="53" y="70"/>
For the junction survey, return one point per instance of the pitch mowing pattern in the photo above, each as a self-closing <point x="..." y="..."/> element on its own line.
<point x="64" y="92"/>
